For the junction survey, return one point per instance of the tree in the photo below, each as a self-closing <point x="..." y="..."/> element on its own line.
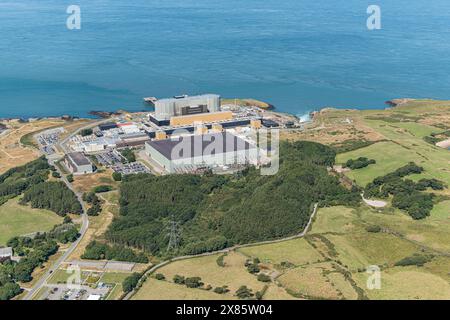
<point x="244" y="293"/>
<point x="86" y="132"/>
<point x="9" y="290"/>
<point x="70" y="178"/>
<point x="129" y="155"/>
<point x="221" y="290"/>
<point x="55" y="174"/>
<point x="131" y="282"/>
<point x="253" y="268"/>
<point x="178" y="279"/>
<point x="193" y="282"/>
<point x="264" y="277"/>
<point x="160" y="276"/>
<point x="117" y="176"/>
<point x="67" y="219"/>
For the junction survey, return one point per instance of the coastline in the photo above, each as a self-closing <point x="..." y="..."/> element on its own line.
<point x="264" y="106"/>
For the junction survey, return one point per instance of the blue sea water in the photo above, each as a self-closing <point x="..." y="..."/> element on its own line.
<point x="299" y="55"/>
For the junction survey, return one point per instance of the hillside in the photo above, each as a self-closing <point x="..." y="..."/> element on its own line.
<point x="213" y="212"/>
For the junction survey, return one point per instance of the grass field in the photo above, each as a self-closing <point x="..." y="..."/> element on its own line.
<point x="310" y="282"/>
<point x="163" y="290"/>
<point x="388" y="155"/>
<point x="283" y="252"/>
<point x="408" y="283"/>
<point x="16" y="220"/>
<point x="329" y="264"/>
<point x="17" y="146"/>
<point x="85" y="183"/>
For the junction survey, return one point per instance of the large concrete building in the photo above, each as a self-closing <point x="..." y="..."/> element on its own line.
<point x="179" y="107"/>
<point x="185" y="105"/>
<point x="199" y="151"/>
<point x="78" y="163"/>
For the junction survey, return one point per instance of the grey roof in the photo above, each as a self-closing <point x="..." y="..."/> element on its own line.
<point x="196" y="145"/>
<point x="189" y="98"/>
<point x="6" y="252"/>
<point x="78" y="158"/>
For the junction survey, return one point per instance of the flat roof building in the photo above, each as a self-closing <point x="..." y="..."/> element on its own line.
<point x="107" y="126"/>
<point x="78" y="163"/>
<point x="199" y="151"/>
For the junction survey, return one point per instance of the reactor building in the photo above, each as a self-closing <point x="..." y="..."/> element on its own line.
<point x="186" y="110"/>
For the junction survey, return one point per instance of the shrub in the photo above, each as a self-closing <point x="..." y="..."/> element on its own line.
<point x="373" y="229"/>
<point x="101" y="189"/>
<point x="117" y="176"/>
<point x="178" y="279"/>
<point x="160" y="276"/>
<point x="359" y="163"/>
<point x="220" y="261"/>
<point x="193" y="282"/>
<point x="129" y="155"/>
<point x="253" y="268"/>
<point x="264" y="277"/>
<point x="414" y="260"/>
<point x="55" y="174"/>
<point x="244" y="293"/>
<point x="221" y="290"/>
<point x="70" y="178"/>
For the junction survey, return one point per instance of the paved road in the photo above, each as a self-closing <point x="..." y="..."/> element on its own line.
<point x="84" y="227"/>
<point x="162" y="264"/>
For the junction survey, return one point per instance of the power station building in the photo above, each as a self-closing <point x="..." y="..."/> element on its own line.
<point x="186" y="110"/>
<point x="201" y="151"/>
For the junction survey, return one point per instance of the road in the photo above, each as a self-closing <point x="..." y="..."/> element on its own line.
<point x="162" y="264"/>
<point x="84" y="226"/>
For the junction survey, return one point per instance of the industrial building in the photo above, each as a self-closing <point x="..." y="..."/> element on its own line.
<point x="107" y="126"/>
<point x="78" y="163"/>
<point x="166" y="109"/>
<point x="201" y="151"/>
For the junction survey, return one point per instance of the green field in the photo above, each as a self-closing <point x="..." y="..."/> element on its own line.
<point x="388" y="156"/>
<point x="406" y="146"/>
<point x="330" y="262"/>
<point x="16" y="220"/>
<point x="282" y="252"/>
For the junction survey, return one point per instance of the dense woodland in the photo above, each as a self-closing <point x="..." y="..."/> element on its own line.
<point x="54" y="196"/>
<point x="211" y="212"/>
<point x="31" y="180"/>
<point x="99" y="251"/>
<point x="407" y="194"/>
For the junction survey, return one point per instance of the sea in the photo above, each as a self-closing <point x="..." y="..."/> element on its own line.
<point x="299" y="55"/>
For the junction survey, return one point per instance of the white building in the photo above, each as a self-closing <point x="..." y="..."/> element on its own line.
<point x="78" y="163"/>
<point x="199" y="151"/>
<point x="186" y="105"/>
